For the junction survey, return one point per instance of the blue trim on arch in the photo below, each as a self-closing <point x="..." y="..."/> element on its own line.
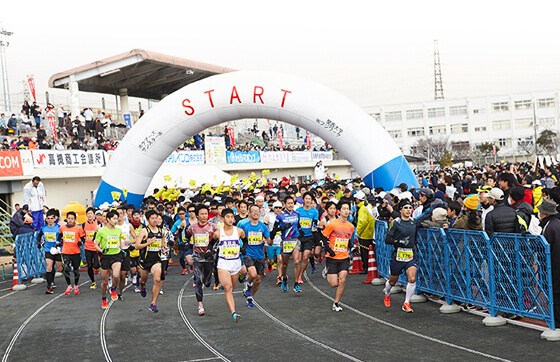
<point x="104" y="195"/>
<point x="391" y="174"/>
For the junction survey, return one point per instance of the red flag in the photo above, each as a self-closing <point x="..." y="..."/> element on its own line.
<point x="51" y="118"/>
<point x="31" y="83"/>
<point x="308" y="141"/>
<point x="230" y="135"/>
<point x="280" y="139"/>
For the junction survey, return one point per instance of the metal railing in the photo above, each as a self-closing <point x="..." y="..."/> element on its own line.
<point x="30" y="259"/>
<point x="6" y="240"/>
<point x="505" y="273"/>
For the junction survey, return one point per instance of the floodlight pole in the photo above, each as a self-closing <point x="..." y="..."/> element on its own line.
<point x="5" y="86"/>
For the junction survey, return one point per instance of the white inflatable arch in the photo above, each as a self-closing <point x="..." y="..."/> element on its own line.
<point x="247" y="94"/>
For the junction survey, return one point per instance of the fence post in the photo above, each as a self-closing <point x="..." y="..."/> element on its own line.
<point x="493" y="320"/>
<point x="450" y="307"/>
<point x="518" y="273"/>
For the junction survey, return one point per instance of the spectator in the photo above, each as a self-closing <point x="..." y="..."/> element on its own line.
<point x="297" y="132"/>
<point x="506" y="181"/>
<point x="5" y="144"/>
<point x="3" y="124"/>
<point x="61" y="116"/>
<point x="13" y="127"/>
<point x="522" y="208"/>
<point x="32" y="144"/>
<point x="549" y="179"/>
<point x="24" y="121"/>
<point x="88" y="115"/>
<point x="98" y="129"/>
<point x="74" y="145"/>
<point x="44" y="145"/>
<point x="320" y="171"/>
<point x="453" y="212"/>
<point x="17" y="219"/>
<point x="439" y="219"/>
<point x="537" y="194"/>
<point x="27" y="226"/>
<point x="471" y="218"/>
<point x="429" y="204"/>
<point x="26" y="108"/>
<point x="503" y="218"/>
<point x="34" y="197"/>
<point x="36" y="114"/>
<point x="41" y="134"/>
<point x="551" y="231"/>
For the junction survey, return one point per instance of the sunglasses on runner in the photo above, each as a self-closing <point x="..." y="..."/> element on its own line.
<point x="407" y="207"/>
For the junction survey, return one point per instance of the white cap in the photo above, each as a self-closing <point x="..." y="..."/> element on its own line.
<point x="360" y="195"/>
<point x="277" y="204"/>
<point x="259" y="197"/>
<point x="496" y="194"/>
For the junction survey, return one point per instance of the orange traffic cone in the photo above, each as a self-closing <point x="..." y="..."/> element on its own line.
<point x="15" y="279"/>
<point x="356" y="264"/>
<point x="372" y="266"/>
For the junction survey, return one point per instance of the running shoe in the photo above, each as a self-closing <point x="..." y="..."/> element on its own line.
<point x="285" y="284"/>
<point x="216" y="287"/>
<point x="278" y="280"/>
<point x="313" y="270"/>
<point x="274" y="267"/>
<point x="201" y="310"/>
<point x="68" y="290"/>
<point x="387" y="301"/>
<point x="324" y="272"/>
<point x="250" y="302"/>
<point x="153" y="308"/>
<point x="49" y="291"/>
<point x="119" y="297"/>
<point x="320" y="260"/>
<point x="76" y="290"/>
<point x="194" y="284"/>
<point x="95" y="271"/>
<point x="136" y="290"/>
<point x="184" y="272"/>
<point x="113" y="294"/>
<point x="134" y="277"/>
<point x="93" y="286"/>
<point x="236" y="317"/>
<point x="143" y="292"/>
<point x="53" y="285"/>
<point x="161" y="291"/>
<point x="300" y="281"/>
<point x="406" y="308"/>
<point x="249" y="289"/>
<point x="297" y="288"/>
<point x="241" y="278"/>
<point x="336" y="308"/>
<point x="104" y="304"/>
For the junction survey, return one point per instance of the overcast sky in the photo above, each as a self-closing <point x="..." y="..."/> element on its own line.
<point x="371" y="51"/>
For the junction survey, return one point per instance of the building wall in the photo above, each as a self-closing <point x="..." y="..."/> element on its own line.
<point x="504" y="120"/>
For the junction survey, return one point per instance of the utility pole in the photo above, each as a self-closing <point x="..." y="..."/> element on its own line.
<point x="6" y="88"/>
<point x="437" y="73"/>
<point x="535" y="129"/>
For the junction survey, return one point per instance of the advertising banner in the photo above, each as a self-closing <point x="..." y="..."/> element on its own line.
<point x="299" y="156"/>
<point x="274" y="156"/>
<point x="321" y="156"/>
<point x="10" y="164"/>
<point x="74" y="158"/>
<point x="185" y="158"/>
<point x="243" y="157"/>
<point x="215" y="149"/>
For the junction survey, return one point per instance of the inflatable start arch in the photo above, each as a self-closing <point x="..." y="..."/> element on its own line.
<point x="245" y="94"/>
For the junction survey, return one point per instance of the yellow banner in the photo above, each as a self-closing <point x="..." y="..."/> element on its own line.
<point x="116" y="195"/>
<point x="192" y="183"/>
<point x="125" y="192"/>
<point x="167" y="178"/>
<point x="265" y="172"/>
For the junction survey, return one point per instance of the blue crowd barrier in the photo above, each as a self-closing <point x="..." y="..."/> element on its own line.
<point x="30" y="260"/>
<point x="505" y="273"/>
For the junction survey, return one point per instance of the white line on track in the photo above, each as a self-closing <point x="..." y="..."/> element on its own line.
<point x="210" y="294"/>
<point x="4" y="296"/>
<point x="102" y="328"/>
<point x="432" y="339"/>
<point x="191" y="328"/>
<point x="305" y="336"/>
<point x="20" y="329"/>
<point x="202" y="359"/>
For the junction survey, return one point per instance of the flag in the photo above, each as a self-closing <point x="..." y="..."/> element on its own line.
<point x="280" y="138"/>
<point x="31" y="82"/>
<point x="308" y="141"/>
<point x="52" y="123"/>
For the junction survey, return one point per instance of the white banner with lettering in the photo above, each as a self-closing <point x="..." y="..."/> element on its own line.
<point x="68" y="158"/>
<point x="185" y="158"/>
<point x="303" y="156"/>
<point x="321" y="156"/>
<point x="274" y="156"/>
<point x="215" y="149"/>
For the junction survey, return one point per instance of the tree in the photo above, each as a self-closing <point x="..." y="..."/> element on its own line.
<point x="548" y="141"/>
<point x="486" y="149"/>
<point x="446" y="160"/>
<point x="433" y="148"/>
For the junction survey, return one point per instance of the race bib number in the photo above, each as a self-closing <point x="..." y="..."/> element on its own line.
<point x="254" y="238"/>
<point x="288" y="247"/>
<point x="155" y="246"/>
<point x="113" y="242"/>
<point x="305" y="223"/>
<point x="50" y="236"/>
<point x="230" y="251"/>
<point x="340" y="245"/>
<point x="404" y="254"/>
<point x="89" y="235"/>
<point x="68" y="237"/>
<point x="201" y="240"/>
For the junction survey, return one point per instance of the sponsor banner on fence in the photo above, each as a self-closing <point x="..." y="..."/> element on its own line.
<point x="299" y="156"/>
<point x="76" y="158"/>
<point x="185" y="157"/>
<point x="274" y="156"/>
<point x="321" y="156"/>
<point x="26" y="162"/>
<point x="215" y="149"/>
<point x="243" y="157"/>
<point x="10" y="164"/>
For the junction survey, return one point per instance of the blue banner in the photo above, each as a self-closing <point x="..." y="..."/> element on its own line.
<point x="243" y="157"/>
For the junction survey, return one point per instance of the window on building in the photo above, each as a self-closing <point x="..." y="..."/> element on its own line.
<point x="480" y="129"/>
<point x="437" y="130"/>
<point x="546" y="123"/>
<point x="395" y="134"/>
<point x="414" y="114"/>
<point x="525" y="143"/>
<point x="545" y="102"/>
<point x="504" y="142"/>
<point x="479" y="111"/>
<point x="436" y="112"/>
<point x="500" y="107"/>
<point x="460" y="128"/>
<point x="504" y="124"/>
<point x="524" y="104"/>
<point x="416" y="132"/>
<point x="376" y="116"/>
<point x="413" y="150"/>
<point x="457" y="110"/>
<point x="460" y="146"/>
<point x="524" y="123"/>
<point x="393" y="116"/>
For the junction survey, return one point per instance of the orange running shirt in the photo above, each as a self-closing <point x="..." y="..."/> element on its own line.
<point x="70" y="238"/>
<point x="339" y="235"/>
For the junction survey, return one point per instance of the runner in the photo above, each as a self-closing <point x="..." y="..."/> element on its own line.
<point x="256" y="233"/>
<point x="137" y="225"/>
<point x="150" y="243"/>
<point x="218" y="220"/>
<point x="288" y="223"/>
<point x="126" y="231"/>
<point x="402" y="235"/>
<point x="330" y="216"/>
<point x="91" y="226"/>
<point x="107" y="242"/>
<point x="308" y="219"/>
<point x="72" y="237"/>
<point x="47" y="237"/>
<point x="229" y="262"/>
<point x="168" y="241"/>
<point x="337" y="238"/>
<point x="241" y="212"/>
<point x="200" y="235"/>
<point x="273" y="251"/>
<point x="178" y="230"/>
